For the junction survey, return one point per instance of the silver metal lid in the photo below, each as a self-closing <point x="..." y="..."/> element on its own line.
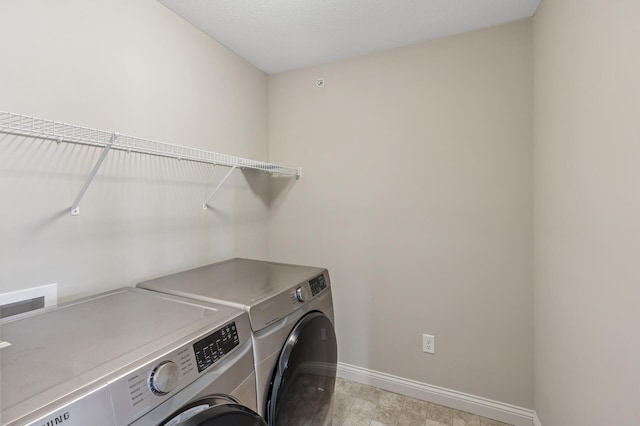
<point x="245" y="282"/>
<point x="80" y="345"/>
<point x="264" y="289"/>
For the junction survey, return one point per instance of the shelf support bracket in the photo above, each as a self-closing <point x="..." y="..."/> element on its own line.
<point x="75" y="207"/>
<point x="224" y="179"/>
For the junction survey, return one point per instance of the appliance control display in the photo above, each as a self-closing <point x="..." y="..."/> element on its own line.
<point x="164" y="378"/>
<point x="317" y="284"/>
<point x="213" y="347"/>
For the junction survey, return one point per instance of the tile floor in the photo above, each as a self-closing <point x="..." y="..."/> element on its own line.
<point x="360" y="405"/>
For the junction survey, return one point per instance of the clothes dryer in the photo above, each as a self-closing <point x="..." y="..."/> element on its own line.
<point x="290" y="308"/>
<point x="128" y="357"/>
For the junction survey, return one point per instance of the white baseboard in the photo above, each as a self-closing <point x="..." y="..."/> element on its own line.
<point x="495" y="410"/>
<point x="536" y="420"/>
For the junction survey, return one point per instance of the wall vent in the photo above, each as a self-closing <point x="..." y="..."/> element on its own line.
<point x="20" y="301"/>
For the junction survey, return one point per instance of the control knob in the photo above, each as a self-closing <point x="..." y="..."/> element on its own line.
<point x="164" y="378"/>
<point x="299" y="294"/>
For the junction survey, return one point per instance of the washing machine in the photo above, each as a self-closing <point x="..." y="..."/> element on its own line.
<point x="128" y="357"/>
<point x="290" y="308"/>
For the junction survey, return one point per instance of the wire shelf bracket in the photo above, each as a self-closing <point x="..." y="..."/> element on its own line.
<point x="75" y="207"/>
<point x="23" y="125"/>
<point x="205" y="205"/>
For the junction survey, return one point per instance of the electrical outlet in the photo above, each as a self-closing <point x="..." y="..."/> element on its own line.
<point x="428" y="344"/>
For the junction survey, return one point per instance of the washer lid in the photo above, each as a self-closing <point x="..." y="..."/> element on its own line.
<point x="68" y="350"/>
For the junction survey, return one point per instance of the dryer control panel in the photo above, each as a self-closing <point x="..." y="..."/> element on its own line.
<point x="317" y="284"/>
<point x="308" y="290"/>
<point x="273" y="308"/>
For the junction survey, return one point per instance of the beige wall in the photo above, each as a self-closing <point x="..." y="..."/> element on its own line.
<point x="587" y="213"/>
<point x="416" y="190"/>
<point x="416" y="194"/>
<point x="135" y="68"/>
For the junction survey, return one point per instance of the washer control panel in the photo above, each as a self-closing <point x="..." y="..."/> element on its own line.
<point x="156" y="380"/>
<point x="146" y="387"/>
<point x="215" y="346"/>
<point x="164" y="378"/>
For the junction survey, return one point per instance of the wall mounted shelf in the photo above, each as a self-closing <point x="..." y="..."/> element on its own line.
<point x="23" y="125"/>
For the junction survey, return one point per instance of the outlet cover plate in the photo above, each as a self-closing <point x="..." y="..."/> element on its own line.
<point x="428" y="344"/>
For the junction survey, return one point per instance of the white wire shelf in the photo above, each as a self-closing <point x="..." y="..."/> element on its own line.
<point x="23" y="125"/>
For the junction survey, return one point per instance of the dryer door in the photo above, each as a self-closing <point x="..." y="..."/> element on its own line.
<point x="304" y="378"/>
<point x="210" y="412"/>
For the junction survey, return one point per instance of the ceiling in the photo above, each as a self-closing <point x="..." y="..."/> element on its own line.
<point x="281" y="35"/>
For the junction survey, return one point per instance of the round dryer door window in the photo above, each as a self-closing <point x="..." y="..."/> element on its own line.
<point x="304" y="378"/>
<point x="209" y="412"/>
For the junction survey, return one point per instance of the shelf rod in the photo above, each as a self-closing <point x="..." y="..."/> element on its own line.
<point x="224" y="179"/>
<point x="75" y="207"/>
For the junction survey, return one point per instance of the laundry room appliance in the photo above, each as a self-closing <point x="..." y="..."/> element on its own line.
<point x="291" y="312"/>
<point x="128" y="357"/>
